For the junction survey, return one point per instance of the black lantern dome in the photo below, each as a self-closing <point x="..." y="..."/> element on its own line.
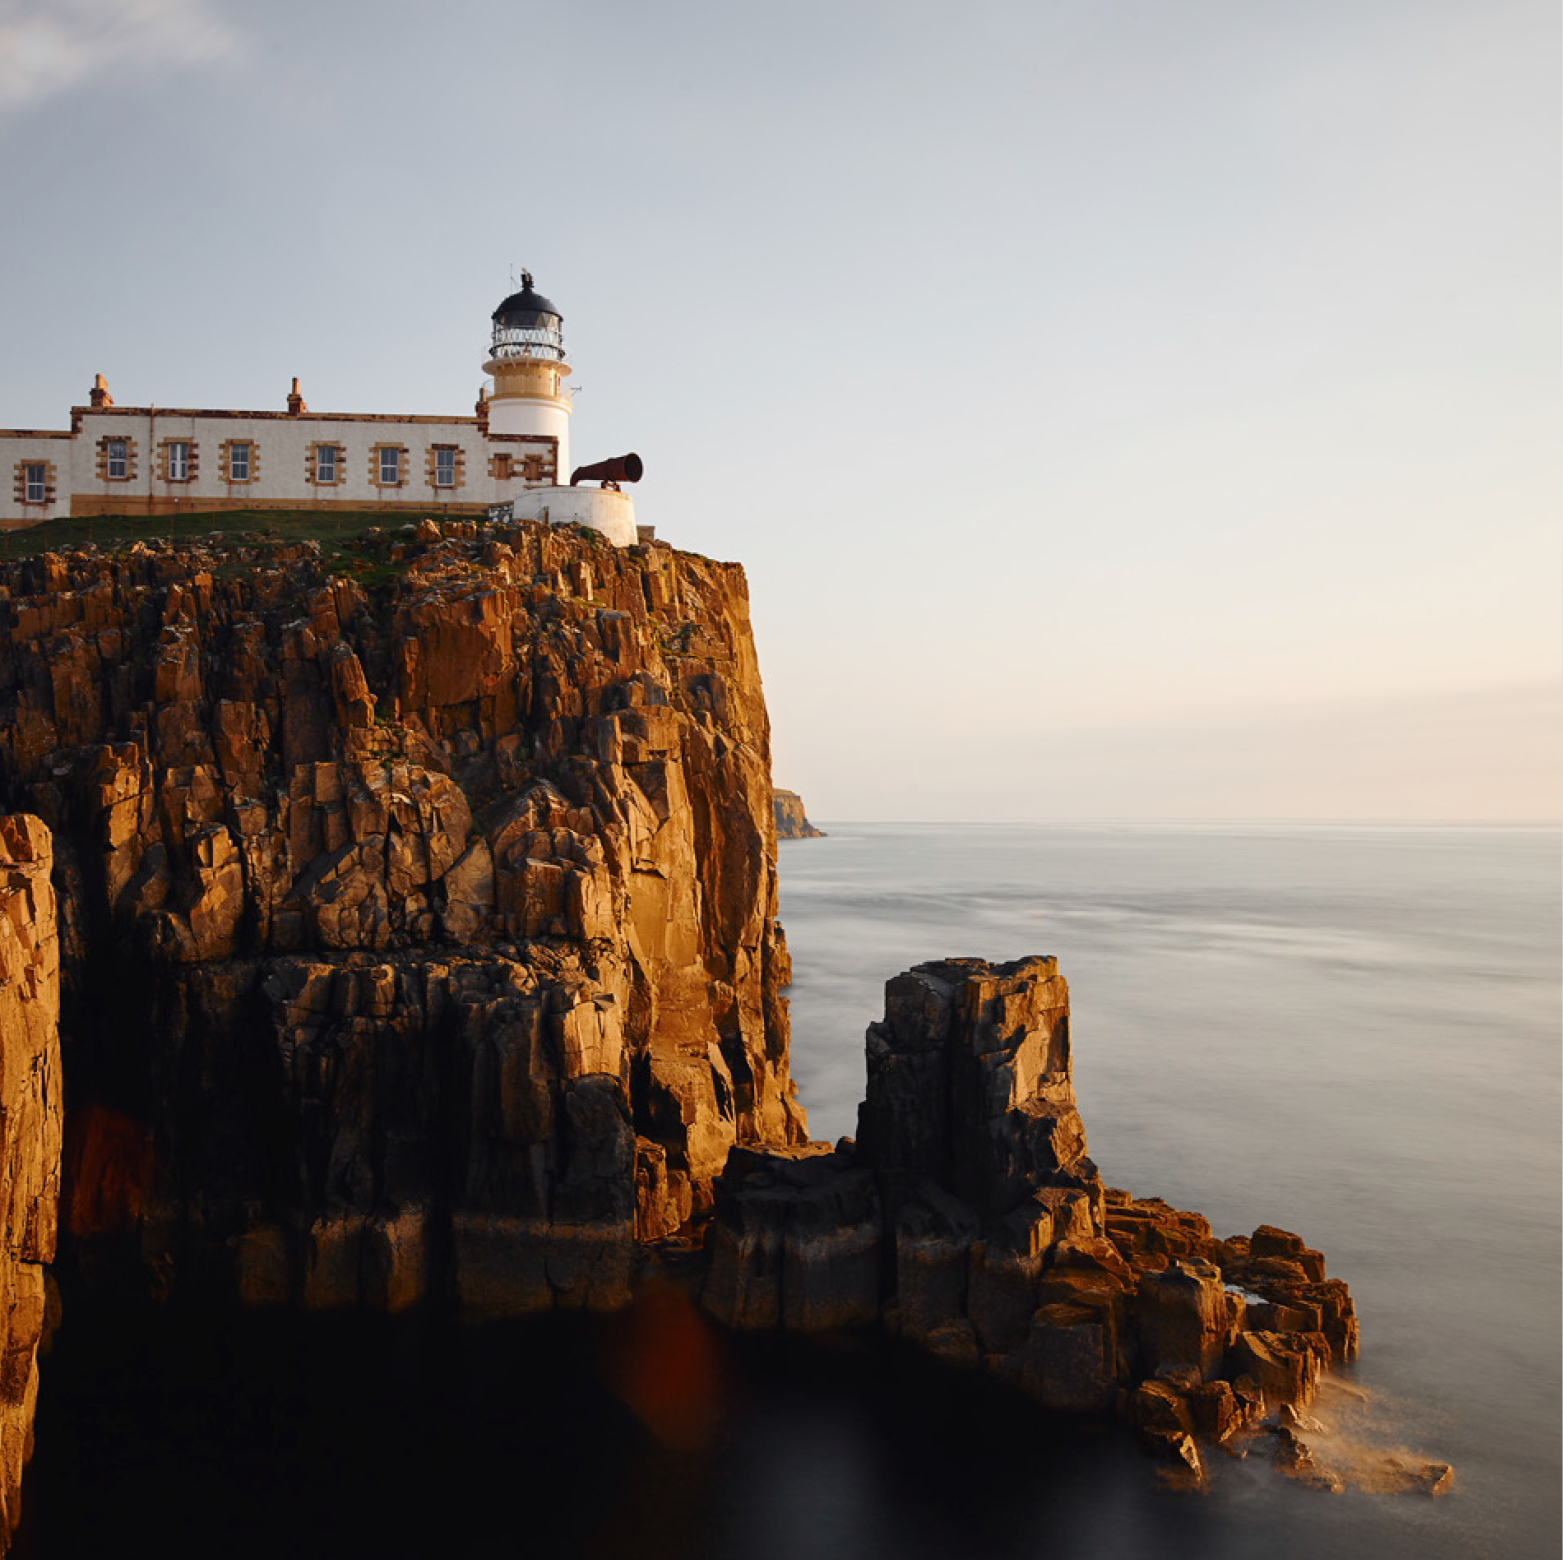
<point x="526" y="324"/>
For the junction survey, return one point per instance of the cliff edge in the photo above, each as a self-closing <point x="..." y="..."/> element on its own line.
<point x="418" y="910"/>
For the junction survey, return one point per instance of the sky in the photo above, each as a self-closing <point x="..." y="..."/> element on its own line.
<point x="1120" y="408"/>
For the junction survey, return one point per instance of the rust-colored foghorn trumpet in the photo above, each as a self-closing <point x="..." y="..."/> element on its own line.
<point x="623" y="468"/>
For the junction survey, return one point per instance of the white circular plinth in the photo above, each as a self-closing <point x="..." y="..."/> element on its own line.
<point x="602" y="509"/>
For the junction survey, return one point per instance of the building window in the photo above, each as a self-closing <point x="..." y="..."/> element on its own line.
<point x="388" y="465"/>
<point x="238" y="460"/>
<point x="501" y="468"/>
<point x="177" y="460"/>
<point x="116" y="459"/>
<point x="446" y="465"/>
<point x="323" y="465"/>
<point x="34" y="482"/>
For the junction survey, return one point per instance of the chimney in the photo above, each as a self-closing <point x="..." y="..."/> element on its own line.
<point x="482" y="408"/>
<point x="295" y="400"/>
<point x="100" y="392"/>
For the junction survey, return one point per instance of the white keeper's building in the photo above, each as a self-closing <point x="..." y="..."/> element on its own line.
<point x="145" y="460"/>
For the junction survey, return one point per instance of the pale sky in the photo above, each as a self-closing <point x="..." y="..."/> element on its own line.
<point x="1120" y="409"/>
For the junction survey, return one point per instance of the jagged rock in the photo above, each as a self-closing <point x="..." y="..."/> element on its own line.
<point x="1183" y="1316"/>
<point x="1295" y="1458"/>
<point x="1410" y="1475"/>
<point x="1292" y="1418"/>
<point x="30" y="1133"/>
<point x="1285" y="1366"/>
<point x="795" y="1242"/>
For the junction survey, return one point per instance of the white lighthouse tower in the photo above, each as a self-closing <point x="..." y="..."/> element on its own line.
<point x="531" y="400"/>
<point x="527" y="362"/>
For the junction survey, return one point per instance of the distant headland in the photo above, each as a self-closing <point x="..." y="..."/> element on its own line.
<point x="791" y="824"/>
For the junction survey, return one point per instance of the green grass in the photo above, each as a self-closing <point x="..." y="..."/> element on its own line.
<point x="333" y="529"/>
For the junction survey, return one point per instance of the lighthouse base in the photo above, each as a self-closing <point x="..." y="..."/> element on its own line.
<point x="600" y="509"/>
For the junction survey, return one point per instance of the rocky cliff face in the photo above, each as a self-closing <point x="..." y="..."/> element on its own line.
<point x="418" y="913"/>
<point x="417" y="940"/>
<point x="30" y="1120"/>
<point x="791" y="821"/>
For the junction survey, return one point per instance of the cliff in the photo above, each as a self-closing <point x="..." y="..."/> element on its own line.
<point x="30" y="1106"/>
<point x="418" y="913"/>
<point x="791" y="823"/>
<point x="417" y="942"/>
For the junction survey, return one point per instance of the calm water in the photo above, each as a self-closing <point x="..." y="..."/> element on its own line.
<point x="1352" y="1032"/>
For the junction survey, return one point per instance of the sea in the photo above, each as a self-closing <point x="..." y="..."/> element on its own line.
<point x="1352" y="1032"/>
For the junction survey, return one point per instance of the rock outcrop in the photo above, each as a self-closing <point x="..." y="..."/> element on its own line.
<point x="968" y="1218"/>
<point x="418" y="912"/>
<point x="791" y="822"/>
<point x="30" y="1125"/>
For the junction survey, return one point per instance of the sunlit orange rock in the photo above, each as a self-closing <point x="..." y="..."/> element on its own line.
<point x="30" y="1127"/>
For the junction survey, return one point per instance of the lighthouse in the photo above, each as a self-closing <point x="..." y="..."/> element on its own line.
<point x="530" y="396"/>
<point x="512" y="459"/>
<point x="530" y="401"/>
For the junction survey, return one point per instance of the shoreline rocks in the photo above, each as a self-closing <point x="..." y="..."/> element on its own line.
<point x="968" y="1217"/>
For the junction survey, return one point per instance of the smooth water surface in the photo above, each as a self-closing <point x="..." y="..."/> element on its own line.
<point x="1352" y="1032"/>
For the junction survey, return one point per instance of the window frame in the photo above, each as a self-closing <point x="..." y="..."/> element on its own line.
<point x="235" y="459"/>
<point x="176" y="460"/>
<point x="336" y="461"/>
<point x="385" y="458"/>
<point x="29" y="483"/>
<point x="116" y="452"/>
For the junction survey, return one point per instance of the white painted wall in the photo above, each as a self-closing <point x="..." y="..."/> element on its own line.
<point x="24" y="449"/>
<point x="600" y="508"/>
<point x="280" y="447"/>
<point x="531" y="416"/>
